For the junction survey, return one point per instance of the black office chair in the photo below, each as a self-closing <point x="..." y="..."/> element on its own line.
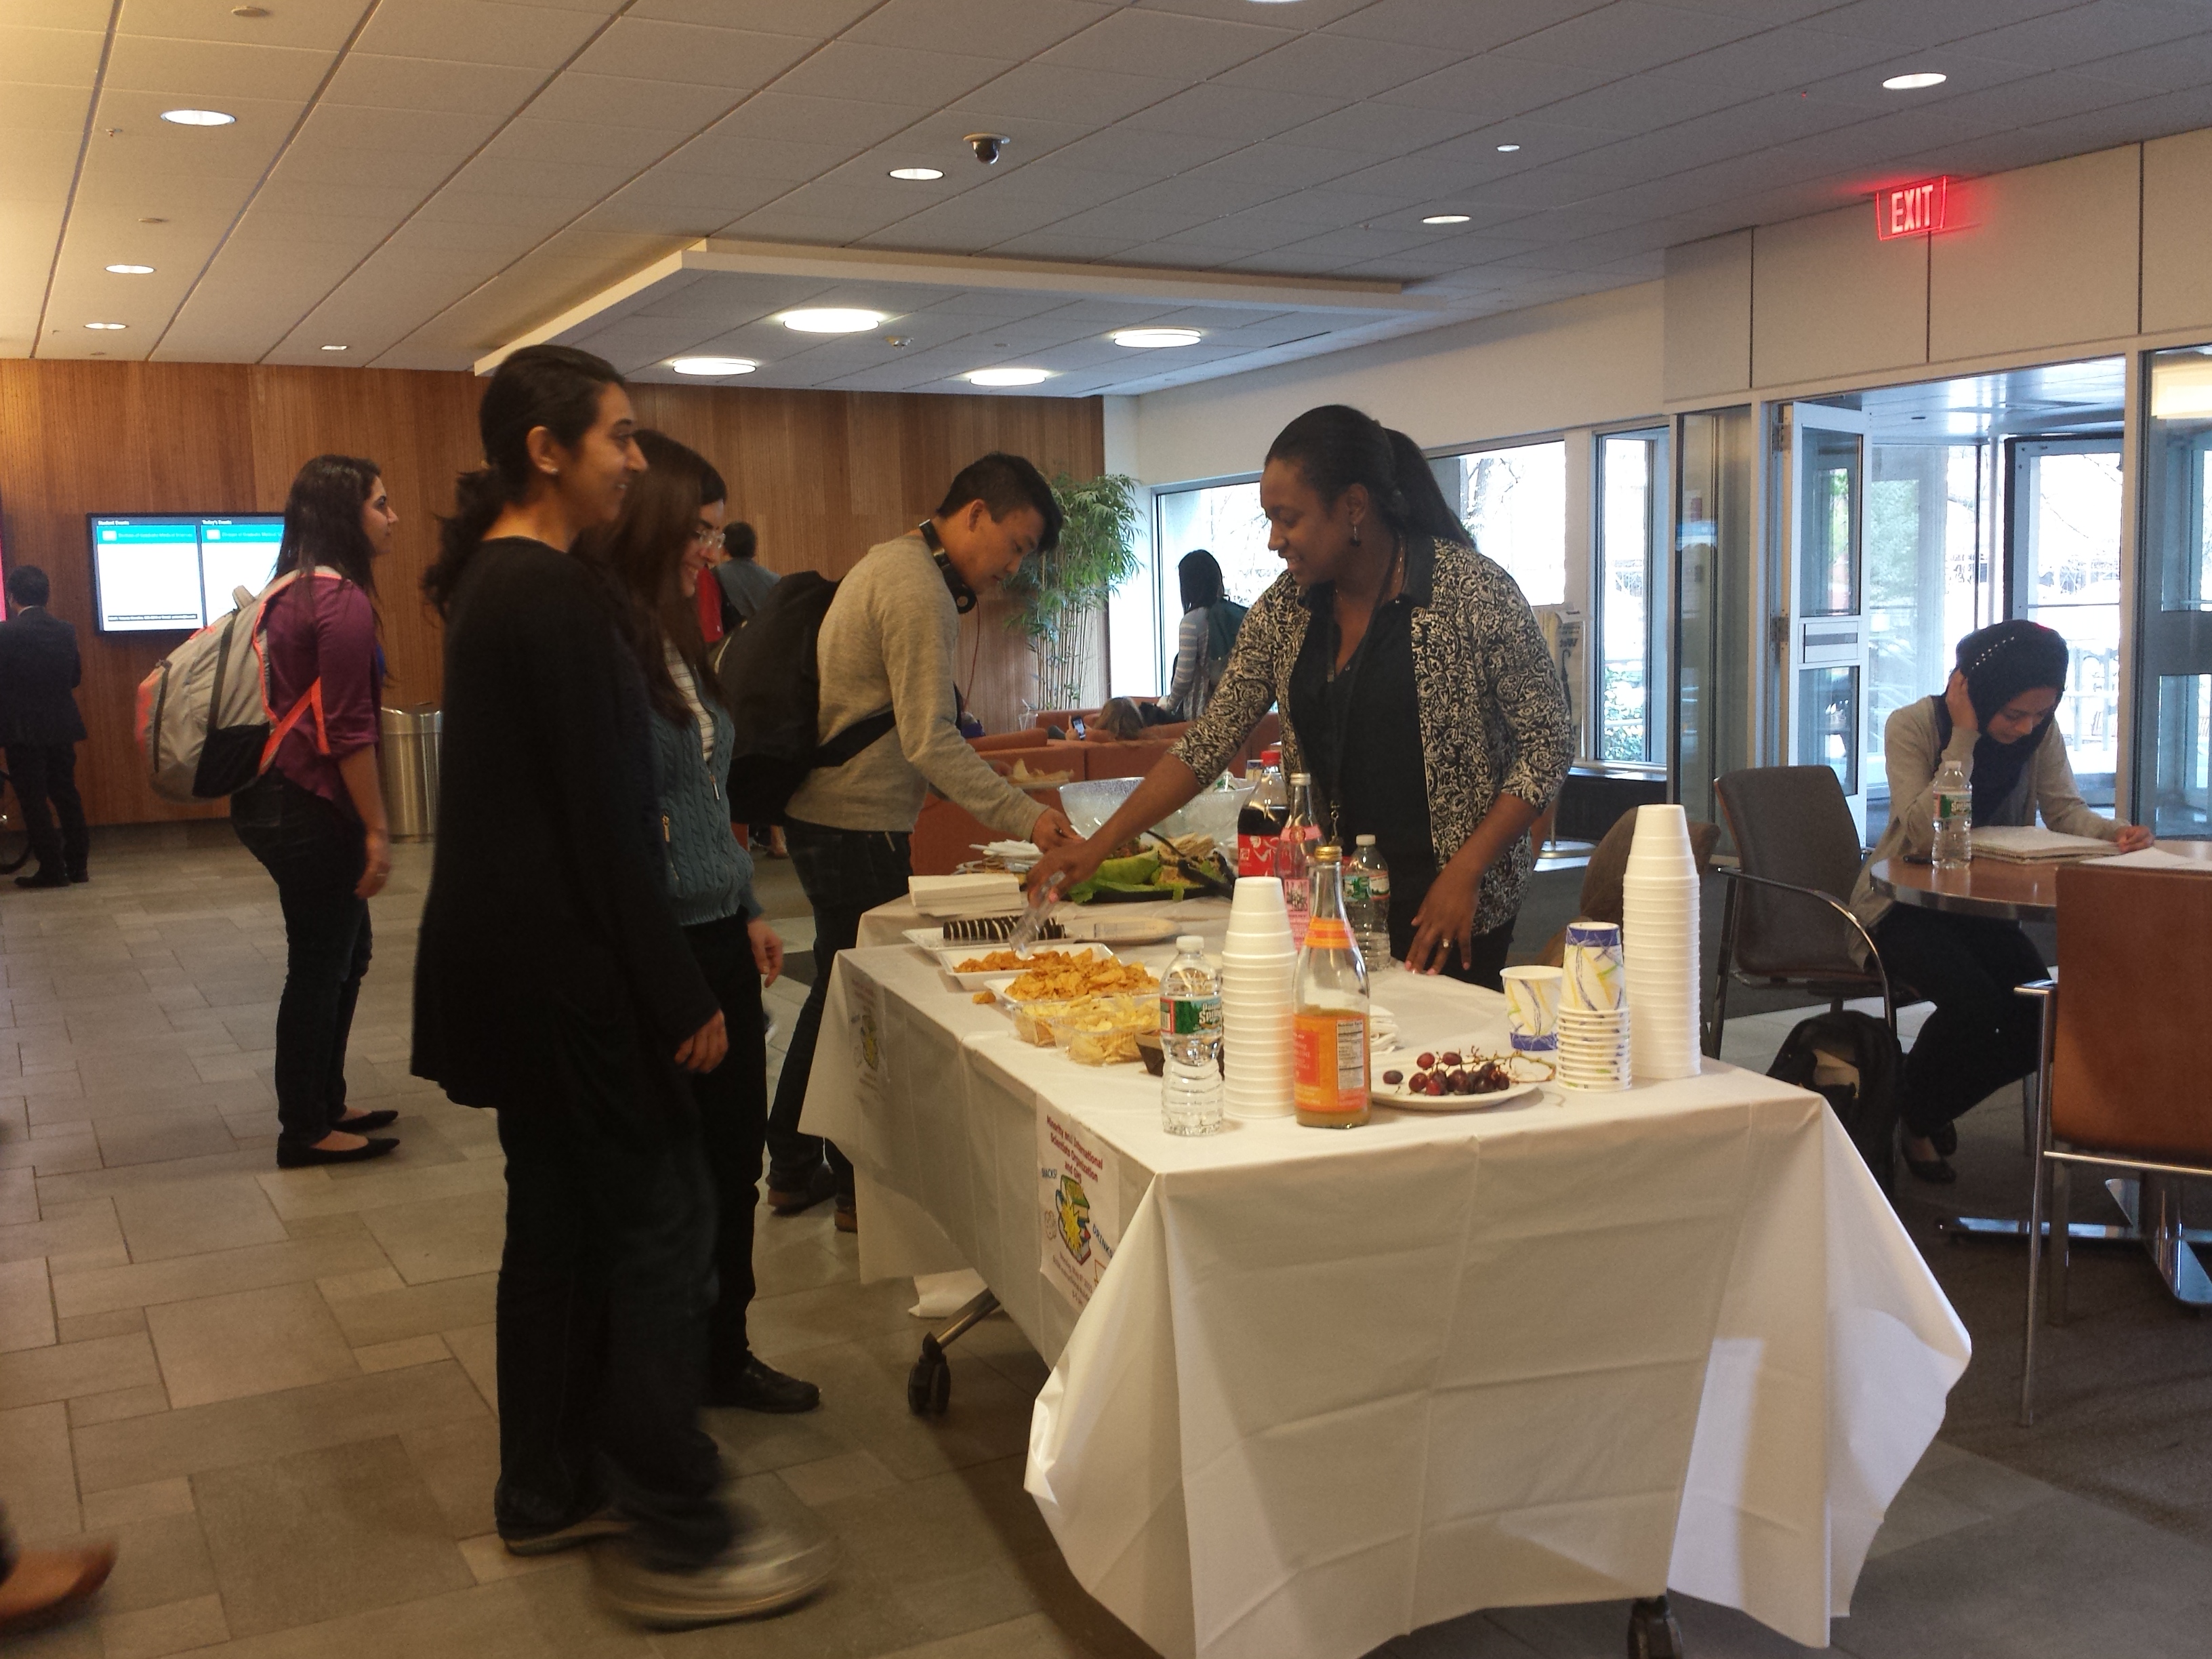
<point x="1786" y="921"/>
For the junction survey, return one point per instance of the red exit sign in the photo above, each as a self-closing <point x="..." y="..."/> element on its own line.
<point x="1911" y="209"/>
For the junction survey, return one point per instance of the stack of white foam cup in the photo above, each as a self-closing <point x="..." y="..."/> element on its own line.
<point x="1659" y="925"/>
<point x="1259" y="971"/>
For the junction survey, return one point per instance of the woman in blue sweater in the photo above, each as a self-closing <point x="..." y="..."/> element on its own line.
<point x="649" y="558"/>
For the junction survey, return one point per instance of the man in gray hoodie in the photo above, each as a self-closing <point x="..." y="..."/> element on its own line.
<point x="888" y="642"/>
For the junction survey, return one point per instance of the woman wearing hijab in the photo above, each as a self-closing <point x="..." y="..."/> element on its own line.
<point x="1210" y="623"/>
<point x="1995" y="719"/>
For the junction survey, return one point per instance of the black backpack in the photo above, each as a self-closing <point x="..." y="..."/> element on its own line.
<point x="1861" y="1059"/>
<point x="771" y="680"/>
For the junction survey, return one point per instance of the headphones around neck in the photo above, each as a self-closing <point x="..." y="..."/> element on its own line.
<point x="963" y="597"/>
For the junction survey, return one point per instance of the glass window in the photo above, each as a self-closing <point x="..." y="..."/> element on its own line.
<point x="1514" y="503"/>
<point x="1633" y="693"/>
<point x="2172" y="773"/>
<point x="2066" y="575"/>
<point x="1225" y="521"/>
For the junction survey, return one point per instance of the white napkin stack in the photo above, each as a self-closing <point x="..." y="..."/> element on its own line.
<point x="1659" y="934"/>
<point x="984" y="894"/>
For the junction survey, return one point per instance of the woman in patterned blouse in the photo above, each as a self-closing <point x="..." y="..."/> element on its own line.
<point x="1414" y="687"/>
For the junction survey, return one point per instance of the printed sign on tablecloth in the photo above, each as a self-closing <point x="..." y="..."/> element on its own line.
<point x="1079" y="1202"/>
<point x="863" y="1009"/>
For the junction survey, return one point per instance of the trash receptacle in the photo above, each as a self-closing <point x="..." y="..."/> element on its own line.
<point x="407" y="762"/>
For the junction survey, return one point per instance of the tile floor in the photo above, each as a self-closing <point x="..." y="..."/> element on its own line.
<point x="274" y="1388"/>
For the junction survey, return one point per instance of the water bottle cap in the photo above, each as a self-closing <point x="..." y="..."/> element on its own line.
<point x="1189" y="944"/>
<point x="1363" y="840"/>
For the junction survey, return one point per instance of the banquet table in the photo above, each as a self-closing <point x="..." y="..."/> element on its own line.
<point x="1332" y="1387"/>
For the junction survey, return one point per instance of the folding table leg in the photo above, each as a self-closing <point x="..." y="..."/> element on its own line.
<point x="1652" y="1631"/>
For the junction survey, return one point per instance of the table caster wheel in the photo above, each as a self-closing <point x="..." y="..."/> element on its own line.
<point x="929" y="1384"/>
<point x="1652" y="1631"/>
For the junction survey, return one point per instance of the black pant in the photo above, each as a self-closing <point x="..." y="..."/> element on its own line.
<point x="733" y="1101"/>
<point x="846" y="874"/>
<point x="316" y="851"/>
<point x="602" y="1305"/>
<point x="1981" y="1035"/>
<point x="43" y="772"/>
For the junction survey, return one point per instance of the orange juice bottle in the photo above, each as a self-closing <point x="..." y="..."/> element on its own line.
<point x="1328" y="1018"/>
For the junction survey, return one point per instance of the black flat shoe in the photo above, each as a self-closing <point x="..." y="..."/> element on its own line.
<point x="42" y="881"/>
<point x="363" y="1122"/>
<point x="1945" y="1140"/>
<point x="761" y="1387"/>
<point x="300" y="1158"/>
<point x="1935" y="1171"/>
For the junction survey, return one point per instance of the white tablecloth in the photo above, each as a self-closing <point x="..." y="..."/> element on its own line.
<point x="1336" y="1386"/>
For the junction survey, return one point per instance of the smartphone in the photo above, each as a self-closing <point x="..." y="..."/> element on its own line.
<point x="1079" y="729"/>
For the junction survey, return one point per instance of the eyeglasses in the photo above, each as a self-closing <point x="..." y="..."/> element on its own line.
<point x="708" y="538"/>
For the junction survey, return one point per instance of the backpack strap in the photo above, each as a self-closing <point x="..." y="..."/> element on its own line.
<point x="855" y="738"/>
<point x="312" y="699"/>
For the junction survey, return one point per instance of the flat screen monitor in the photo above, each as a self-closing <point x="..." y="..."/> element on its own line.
<point x="169" y="573"/>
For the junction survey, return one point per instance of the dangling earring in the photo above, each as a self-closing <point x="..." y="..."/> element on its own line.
<point x="1355" y="532"/>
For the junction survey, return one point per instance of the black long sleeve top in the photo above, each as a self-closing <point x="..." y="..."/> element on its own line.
<point x="546" y="926"/>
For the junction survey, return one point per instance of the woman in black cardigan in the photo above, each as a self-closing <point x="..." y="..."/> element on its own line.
<point x="553" y="985"/>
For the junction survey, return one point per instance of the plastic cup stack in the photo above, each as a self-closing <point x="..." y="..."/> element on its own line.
<point x="1659" y="922"/>
<point x="1532" y="1010"/>
<point x="1593" y="1022"/>
<point x="1259" y="972"/>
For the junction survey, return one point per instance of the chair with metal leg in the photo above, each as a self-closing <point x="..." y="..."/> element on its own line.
<point x="1786" y="922"/>
<point x="2121" y="1085"/>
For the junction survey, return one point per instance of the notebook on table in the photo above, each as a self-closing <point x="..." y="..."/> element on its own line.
<point x="2026" y="844"/>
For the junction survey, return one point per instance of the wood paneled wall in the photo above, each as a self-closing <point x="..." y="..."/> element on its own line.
<point x="821" y="475"/>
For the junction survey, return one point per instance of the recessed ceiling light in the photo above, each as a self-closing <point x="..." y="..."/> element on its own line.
<point x="1447" y="219"/>
<point x="1507" y="149"/>
<point x="1152" y="339"/>
<point x="713" y="366"/>
<point x="197" y="118"/>
<point x="131" y="271"/>
<point x="1913" y="82"/>
<point x="334" y="348"/>
<point x="918" y="175"/>
<point x="832" y="319"/>
<point x="1009" y="376"/>
<point x="106" y="328"/>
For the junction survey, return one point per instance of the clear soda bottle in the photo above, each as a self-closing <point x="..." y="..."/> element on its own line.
<point x="1367" y="901"/>
<point x="1328" y="1010"/>
<point x="1190" y="1042"/>
<point x="1954" y="818"/>
<point x="1294" y="854"/>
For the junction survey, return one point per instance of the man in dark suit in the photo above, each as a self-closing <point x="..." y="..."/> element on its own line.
<point x="40" y="727"/>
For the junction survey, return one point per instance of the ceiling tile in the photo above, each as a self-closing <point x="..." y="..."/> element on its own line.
<point x="1386" y="129"/>
<point x="2177" y="66"/>
<point x="1910" y="24"/>
<point x="1340" y="68"/>
<point x="732" y="59"/>
<point x="50" y="56"/>
<point x="1015" y="29"/>
<point x="1218" y="110"/>
<point x="1066" y="94"/>
<point x="1145" y="156"/>
<point x="323" y="24"/>
<point x="1630" y="35"/>
<point x="1640" y="103"/>
<point x="895" y="74"/>
<point x="842" y="124"/>
<point x="480" y="31"/>
<point x="1459" y="26"/>
<point x="1782" y="60"/>
<point x="816" y="19"/>
<point x="1500" y="87"/>
<point x="2072" y="40"/>
<point x="616" y="100"/>
<point x="207" y="72"/>
<point x="1192" y="48"/>
<point x="382" y="82"/>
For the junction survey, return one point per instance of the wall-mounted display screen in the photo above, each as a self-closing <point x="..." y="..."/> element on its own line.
<point x="154" y="572"/>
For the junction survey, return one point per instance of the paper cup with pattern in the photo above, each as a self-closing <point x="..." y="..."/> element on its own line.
<point x="1532" y="1009"/>
<point x="1593" y="977"/>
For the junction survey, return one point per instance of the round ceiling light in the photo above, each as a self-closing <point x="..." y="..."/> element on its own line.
<point x="1447" y="219"/>
<point x="1152" y="339"/>
<point x="106" y="328"/>
<point x="832" y="319"/>
<point x="1913" y="82"/>
<point x="1507" y="149"/>
<point x="713" y="366"/>
<point x="197" y="118"/>
<point x="131" y="271"/>
<point x="1008" y="376"/>
<point x="918" y="175"/>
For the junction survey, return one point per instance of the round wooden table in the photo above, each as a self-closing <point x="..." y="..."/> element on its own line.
<point x="1994" y="887"/>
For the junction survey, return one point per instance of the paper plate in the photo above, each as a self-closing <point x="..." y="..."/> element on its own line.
<point x="1405" y="1100"/>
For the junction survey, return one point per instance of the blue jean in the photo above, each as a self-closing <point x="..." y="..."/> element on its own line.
<point x="316" y="851"/>
<point x="846" y="874"/>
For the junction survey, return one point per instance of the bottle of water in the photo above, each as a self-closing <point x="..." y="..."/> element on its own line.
<point x="1954" y="818"/>
<point x="1367" y="901"/>
<point x="1190" y="1042"/>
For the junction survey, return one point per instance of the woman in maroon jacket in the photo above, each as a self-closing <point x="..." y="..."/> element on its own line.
<point x="315" y="818"/>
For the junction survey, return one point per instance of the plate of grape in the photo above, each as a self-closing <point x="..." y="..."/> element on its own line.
<point x="1450" y="1080"/>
